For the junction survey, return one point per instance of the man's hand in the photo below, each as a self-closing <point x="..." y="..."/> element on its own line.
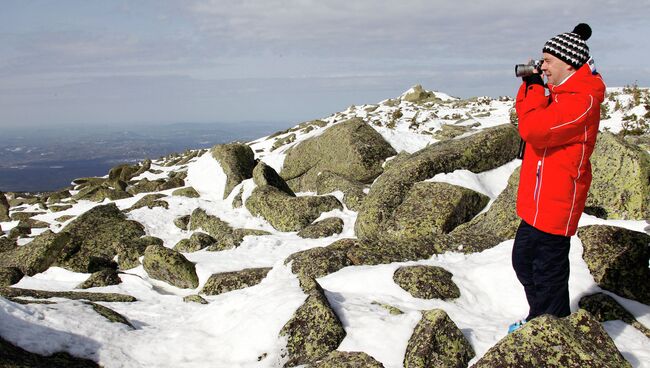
<point x="533" y="79"/>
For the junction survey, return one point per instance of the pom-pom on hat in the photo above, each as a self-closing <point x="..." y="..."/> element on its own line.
<point x="571" y="47"/>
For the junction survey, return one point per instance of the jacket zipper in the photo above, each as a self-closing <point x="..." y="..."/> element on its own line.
<point x="536" y="192"/>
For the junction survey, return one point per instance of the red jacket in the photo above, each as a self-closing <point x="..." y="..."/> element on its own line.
<point x="560" y="133"/>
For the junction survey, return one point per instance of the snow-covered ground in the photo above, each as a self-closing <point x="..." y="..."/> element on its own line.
<point x="240" y="328"/>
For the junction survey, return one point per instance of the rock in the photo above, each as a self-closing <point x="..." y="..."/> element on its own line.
<point x="488" y="149"/>
<point x="4" y="208"/>
<point x="124" y="172"/>
<point x="100" y="233"/>
<point x="344" y="359"/>
<point x="16" y="357"/>
<point x="618" y="260"/>
<point x="321" y="261"/>
<point x="279" y="142"/>
<point x="145" y="186"/>
<point x="11" y="292"/>
<point x="38" y="255"/>
<point x="430" y="209"/>
<point x="10" y="275"/>
<point x="60" y="208"/>
<point x="186" y="192"/>
<point x="237" y="161"/>
<point x="437" y="342"/>
<point x="105" y="277"/>
<point x="604" y="308"/>
<point x="194" y="299"/>
<point x="417" y="94"/>
<point x="322" y="229"/>
<point x="266" y="175"/>
<point x="100" y="193"/>
<point x="287" y="213"/>
<point x="33" y="224"/>
<point x="65" y="218"/>
<point x="182" y="222"/>
<point x="174" y="182"/>
<point x="22" y="230"/>
<point x="547" y="341"/>
<point x="7" y="244"/>
<point x="58" y="196"/>
<point x="196" y="242"/>
<point x="621" y="179"/>
<point x="22" y="216"/>
<point x="110" y="314"/>
<point x="221" y="231"/>
<point x="426" y="282"/>
<point x="237" y="201"/>
<point x="391" y="309"/>
<point x="170" y="266"/>
<point x="129" y="254"/>
<point x="351" y="149"/>
<point x="353" y="194"/>
<point x="224" y="282"/>
<point x="449" y="131"/>
<point x="150" y="201"/>
<point x="314" y="330"/>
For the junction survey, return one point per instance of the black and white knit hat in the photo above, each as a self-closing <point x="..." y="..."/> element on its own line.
<point x="571" y="47"/>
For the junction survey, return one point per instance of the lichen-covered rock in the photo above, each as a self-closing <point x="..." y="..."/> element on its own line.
<point x="221" y="231"/>
<point x="60" y="208"/>
<point x="128" y="254"/>
<point x="7" y="244"/>
<point x="22" y="230"/>
<point x="314" y="330"/>
<point x="353" y="194"/>
<point x="391" y="309"/>
<point x="618" y="260"/>
<point x="100" y="193"/>
<point x="38" y="255"/>
<point x="186" y="192"/>
<point x="575" y="341"/>
<point x="321" y="261"/>
<point x="101" y="232"/>
<point x="224" y="282"/>
<point x="488" y="149"/>
<point x="15" y="357"/>
<point x="448" y="131"/>
<point x="426" y="282"/>
<point x="64" y="218"/>
<point x="237" y="201"/>
<point x="345" y="359"/>
<point x="264" y="174"/>
<point x="604" y="308"/>
<point x="287" y="213"/>
<point x="105" y="277"/>
<point x="196" y="242"/>
<point x="437" y="342"/>
<point x="10" y="275"/>
<point x="4" y="208"/>
<point x="351" y="149"/>
<point x="110" y="314"/>
<point x="194" y="299"/>
<point x="237" y="161"/>
<point x="621" y="179"/>
<point x="182" y="222"/>
<point x="322" y="229"/>
<point x="12" y="292"/>
<point x="145" y="186"/>
<point x="58" y="196"/>
<point x="21" y="216"/>
<point x="150" y="201"/>
<point x="170" y="266"/>
<point x="279" y="142"/>
<point x="33" y="224"/>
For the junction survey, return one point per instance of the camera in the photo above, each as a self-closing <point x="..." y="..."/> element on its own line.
<point x="525" y="70"/>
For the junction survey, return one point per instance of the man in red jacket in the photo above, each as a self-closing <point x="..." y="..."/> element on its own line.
<point x="559" y="128"/>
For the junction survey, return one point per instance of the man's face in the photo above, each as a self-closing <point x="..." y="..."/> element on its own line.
<point x="555" y="69"/>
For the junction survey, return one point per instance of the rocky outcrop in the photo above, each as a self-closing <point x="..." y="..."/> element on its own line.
<point x="188" y="192"/>
<point x="128" y="254"/>
<point x="10" y="275"/>
<point x="264" y="174"/>
<point x="417" y="94"/>
<point x="482" y="151"/>
<point x="7" y="244"/>
<point x="150" y="201"/>
<point x="351" y="149"/>
<point x="182" y="222"/>
<point x="105" y="277"/>
<point x="353" y="194"/>
<point x="38" y="255"/>
<point x="237" y="161"/>
<point x="604" y="308"/>
<point x="321" y="261"/>
<point x="314" y="330"/>
<point x="279" y="142"/>
<point x="228" y="281"/>
<point x="426" y="282"/>
<point x="196" y="242"/>
<point x="100" y="193"/>
<point x="224" y="235"/>
<point x="170" y="266"/>
<point x="145" y="185"/>
<point x="437" y="342"/>
<point x="322" y="229"/>
<point x="345" y="359"/>
<point x="620" y="187"/>
<point x="4" y="208"/>
<point x="618" y="260"/>
<point x="575" y="341"/>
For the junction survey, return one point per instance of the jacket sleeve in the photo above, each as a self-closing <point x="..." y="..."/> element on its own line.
<point x="544" y="123"/>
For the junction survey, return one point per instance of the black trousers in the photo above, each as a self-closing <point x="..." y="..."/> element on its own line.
<point x="541" y="262"/>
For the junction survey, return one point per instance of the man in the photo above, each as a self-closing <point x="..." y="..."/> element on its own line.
<point x="560" y="133"/>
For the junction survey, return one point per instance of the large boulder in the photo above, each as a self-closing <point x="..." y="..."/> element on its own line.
<point x="426" y="282"/>
<point x="264" y="174"/>
<point x="351" y="149"/>
<point x="150" y="201"/>
<point x="353" y="191"/>
<point x="170" y="266"/>
<point x="105" y="277"/>
<point x="4" y="208"/>
<point x="345" y="359"/>
<point x="128" y="254"/>
<point x="196" y="242"/>
<point x="225" y="237"/>
<point x="100" y="193"/>
<point x="314" y="330"/>
<point x="10" y="275"/>
<point x="479" y="152"/>
<point x="189" y="192"/>
<point x="604" y="308"/>
<point x="321" y="261"/>
<point x="618" y="260"/>
<point x="620" y="187"/>
<point x="417" y="94"/>
<point x="547" y="341"/>
<point x="237" y="161"/>
<point x="224" y="282"/>
<point x="100" y="233"/>
<point x="38" y="255"/>
<point x="437" y="342"/>
<point x="287" y="213"/>
<point x="323" y="228"/>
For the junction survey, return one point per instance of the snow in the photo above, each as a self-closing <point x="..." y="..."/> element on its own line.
<point x="240" y="328"/>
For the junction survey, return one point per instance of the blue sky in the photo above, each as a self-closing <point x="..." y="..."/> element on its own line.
<point x="286" y="61"/>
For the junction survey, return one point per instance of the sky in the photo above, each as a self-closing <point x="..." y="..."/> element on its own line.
<point x="118" y="62"/>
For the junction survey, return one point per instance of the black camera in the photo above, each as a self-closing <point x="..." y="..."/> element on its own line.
<point x="525" y="70"/>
